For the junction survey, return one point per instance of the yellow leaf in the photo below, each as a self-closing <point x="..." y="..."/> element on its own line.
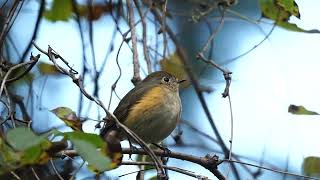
<point x="48" y="69"/>
<point x="300" y="110"/>
<point x="69" y="117"/>
<point x="311" y="166"/>
<point x="174" y="66"/>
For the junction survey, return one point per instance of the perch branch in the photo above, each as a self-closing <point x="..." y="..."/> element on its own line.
<point x="209" y="162"/>
<point x="179" y="170"/>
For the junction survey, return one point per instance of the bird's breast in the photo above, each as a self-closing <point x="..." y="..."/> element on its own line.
<point x="155" y="115"/>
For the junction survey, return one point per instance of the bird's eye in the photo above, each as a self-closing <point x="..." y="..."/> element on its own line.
<point x="165" y="79"/>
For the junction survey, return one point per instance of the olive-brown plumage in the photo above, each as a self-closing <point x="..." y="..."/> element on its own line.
<point x="152" y="109"/>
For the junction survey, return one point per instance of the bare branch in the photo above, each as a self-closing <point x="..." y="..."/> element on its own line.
<point x="33" y="60"/>
<point x="144" y="36"/>
<point x="209" y="162"/>
<point x="136" y="66"/>
<point x="35" y="174"/>
<point x="35" y="31"/>
<point x="55" y="170"/>
<point x="15" y="175"/>
<point x="179" y="170"/>
<point x="270" y="169"/>
<point x="7" y="25"/>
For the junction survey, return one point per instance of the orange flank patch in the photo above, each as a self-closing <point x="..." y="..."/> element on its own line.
<point x="151" y="99"/>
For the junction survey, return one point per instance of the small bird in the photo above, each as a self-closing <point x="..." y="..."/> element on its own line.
<point x="152" y="109"/>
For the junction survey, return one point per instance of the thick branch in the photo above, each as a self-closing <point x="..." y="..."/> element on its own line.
<point x="209" y="162"/>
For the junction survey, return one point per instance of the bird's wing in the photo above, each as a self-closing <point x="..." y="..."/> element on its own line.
<point x="131" y="98"/>
<point x="124" y="106"/>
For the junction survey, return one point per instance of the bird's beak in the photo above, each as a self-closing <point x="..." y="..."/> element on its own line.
<point x="181" y="81"/>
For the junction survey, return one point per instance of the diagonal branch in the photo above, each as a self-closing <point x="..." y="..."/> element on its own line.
<point x="79" y="82"/>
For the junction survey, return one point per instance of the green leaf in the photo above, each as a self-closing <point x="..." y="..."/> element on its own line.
<point x="311" y="166"/>
<point x="289" y="6"/>
<point x="31" y="155"/>
<point x="69" y="117"/>
<point x="9" y="159"/>
<point x="26" y="149"/>
<point x="48" y="69"/>
<point x="27" y="78"/>
<point x="300" y="110"/>
<point x="61" y="10"/>
<point x="22" y="138"/>
<point x="92" y="149"/>
<point x="294" y="27"/>
<point x="273" y="11"/>
<point x="280" y="11"/>
<point x="174" y="66"/>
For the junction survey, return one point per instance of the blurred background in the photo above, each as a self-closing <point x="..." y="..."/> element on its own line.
<point x="272" y="68"/>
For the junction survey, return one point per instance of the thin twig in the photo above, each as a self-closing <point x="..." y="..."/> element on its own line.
<point x="35" y="30"/>
<point x="77" y="170"/>
<point x="114" y="85"/>
<point x="11" y="110"/>
<point x="19" y="100"/>
<point x="33" y="59"/>
<point x="214" y="33"/>
<point x="163" y="27"/>
<point x="227" y="61"/>
<point x="270" y="169"/>
<point x="35" y="174"/>
<point x="15" y="15"/>
<point x="83" y="52"/>
<point x="6" y="25"/>
<point x="15" y="175"/>
<point x="8" y="110"/>
<point x="90" y="6"/>
<point x="3" y="4"/>
<point x="132" y="172"/>
<point x="136" y="66"/>
<point x="226" y="73"/>
<point x="23" y="73"/>
<point x="197" y="130"/>
<point x="111" y="44"/>
<point x="231" y="129"/>
<point x="55" y="170"/>
<point x="144" y="36"/>
<point x="179" y="170"/>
